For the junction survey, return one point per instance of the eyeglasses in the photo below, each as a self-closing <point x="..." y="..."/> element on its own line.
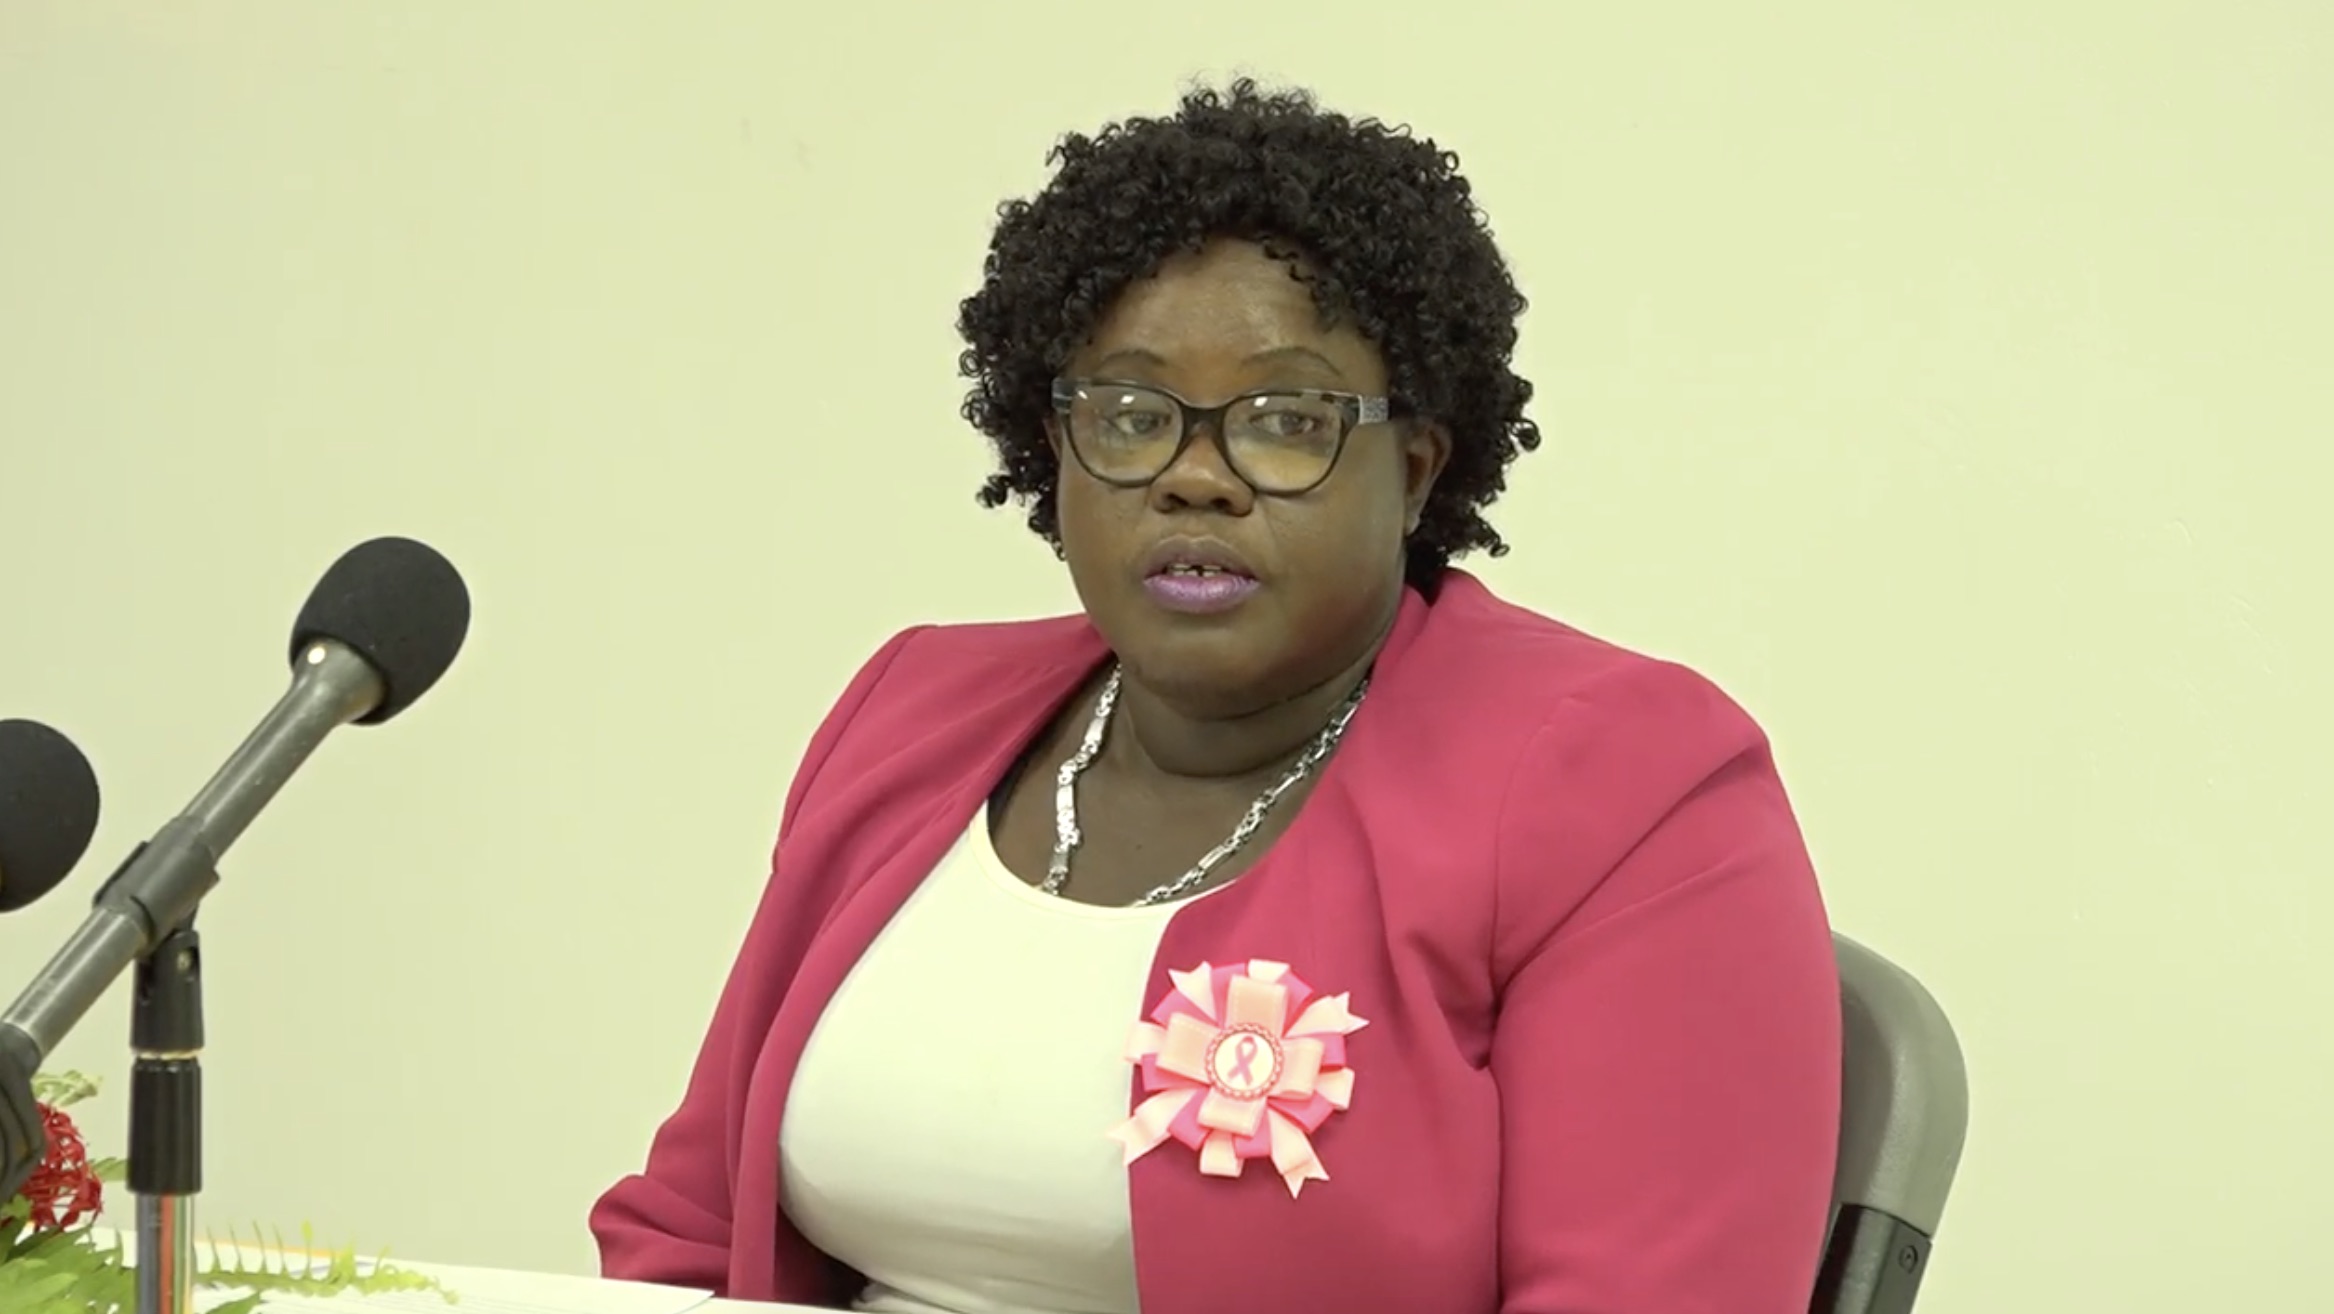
<point x="1283" y="442"/>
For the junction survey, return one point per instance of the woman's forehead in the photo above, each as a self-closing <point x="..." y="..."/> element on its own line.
<point x="1228" y="306"/>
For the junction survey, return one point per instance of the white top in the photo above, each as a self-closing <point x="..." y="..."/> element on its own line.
<point x="948" y="1130"/>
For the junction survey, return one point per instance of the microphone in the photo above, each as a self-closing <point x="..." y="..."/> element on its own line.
<point x="377" y="632"/>
<point x="48" y="811"/>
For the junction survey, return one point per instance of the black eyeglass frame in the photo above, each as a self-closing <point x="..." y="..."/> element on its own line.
<point x="1353" y="409"/>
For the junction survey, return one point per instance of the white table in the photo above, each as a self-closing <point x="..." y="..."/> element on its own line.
<point x="489" y="1291"/>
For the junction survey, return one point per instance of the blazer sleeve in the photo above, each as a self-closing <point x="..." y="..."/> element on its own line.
<point x="1667" y="1049"/>
<point x="670" y="1222"/>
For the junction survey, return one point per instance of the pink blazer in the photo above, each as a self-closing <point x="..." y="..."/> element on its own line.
<point x="1561" y="883"/>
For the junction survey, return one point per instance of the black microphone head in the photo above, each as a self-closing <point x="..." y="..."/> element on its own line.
<point x="397" y="604"/>
<point x="48" y="810"/>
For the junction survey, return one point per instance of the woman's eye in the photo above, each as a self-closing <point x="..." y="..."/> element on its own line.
<point x="1138" y="424"/>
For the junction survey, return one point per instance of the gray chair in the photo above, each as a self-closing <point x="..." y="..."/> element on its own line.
<point x="1903" y="1116"/>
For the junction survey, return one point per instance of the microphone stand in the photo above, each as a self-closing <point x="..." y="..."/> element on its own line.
<point x="166" y="1117"/>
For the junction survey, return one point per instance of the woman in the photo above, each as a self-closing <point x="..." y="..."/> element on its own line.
<point x="1301" y="927"/>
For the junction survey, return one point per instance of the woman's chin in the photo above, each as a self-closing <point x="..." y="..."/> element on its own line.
<point x="1206" y="676"/>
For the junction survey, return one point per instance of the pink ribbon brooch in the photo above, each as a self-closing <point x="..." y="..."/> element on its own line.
<point x="1241" y="1063"/>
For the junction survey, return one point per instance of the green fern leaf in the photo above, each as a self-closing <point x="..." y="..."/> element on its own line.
<point x="31" y="1285"/>
<point x="281" y="1270"/>
<point x="75" y="1273"/>
<point x="63" y="1090"/>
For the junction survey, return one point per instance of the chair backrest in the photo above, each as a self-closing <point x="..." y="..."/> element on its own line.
<point x="1904" y="1114"/>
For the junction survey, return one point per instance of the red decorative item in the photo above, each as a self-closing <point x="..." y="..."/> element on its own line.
<point x="64" y="1191"/>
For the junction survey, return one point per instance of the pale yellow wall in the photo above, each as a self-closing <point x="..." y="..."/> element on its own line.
<point x="1951" y="381"/>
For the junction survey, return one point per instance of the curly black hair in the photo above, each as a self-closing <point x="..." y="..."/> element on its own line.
<point x="1379" y="223"/>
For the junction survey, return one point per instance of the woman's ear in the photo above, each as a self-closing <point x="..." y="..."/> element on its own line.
<point x="1426" y="452"/>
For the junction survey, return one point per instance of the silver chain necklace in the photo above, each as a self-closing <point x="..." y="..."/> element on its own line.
<point x="1067" y="835"/>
